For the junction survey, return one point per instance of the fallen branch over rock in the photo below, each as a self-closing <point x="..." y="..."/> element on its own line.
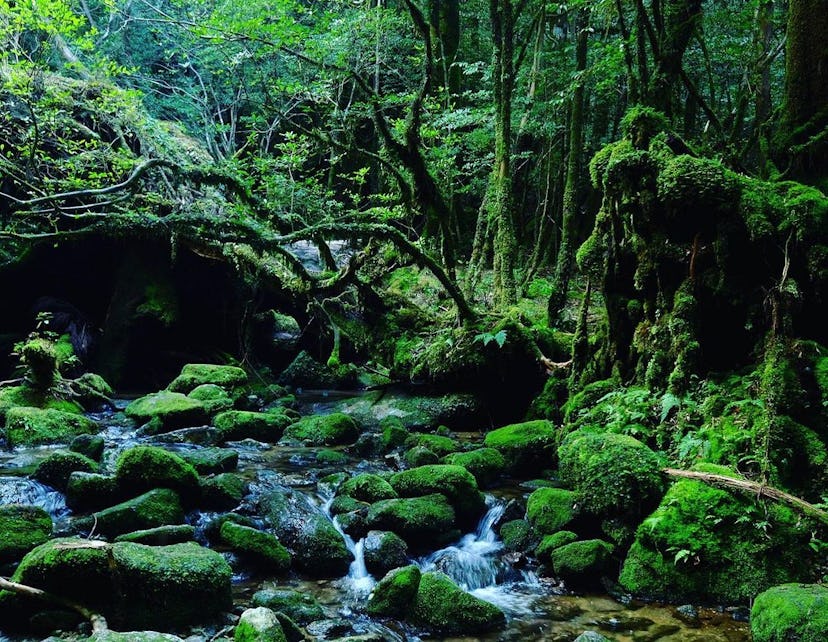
<point x="760" y="490"/>
<point x="97" y="620"/>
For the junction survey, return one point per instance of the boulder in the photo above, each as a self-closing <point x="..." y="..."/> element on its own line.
<point x="420" y="456"/>
<point x="444" y="608"/>
<point x="301" y="607"/>
<point x="262" y="548"/>
<point x="395" y="593"/>
<point x="22" y="528"/>
<point x="440" y="445"/>
<point x="455" y="482"/>
<point x="486" y="464"/>
<point x="550" y="543"/>
<point x="336" y="429"/>
<point x="208" y="461"/>
<point x="367" y="487"/>
<point x="160" y="536"/>
<point x="581" y="563"/>
<point x="550" y="509"/>
<point x="423" y="522"/>
<point x="384" y="551"/>
<point x="133" y="636"/>
<point x="222" y="492"/>
<point x="55" y="470"/>
<point x="35" y="426"/>
<point x="142" y="468"/>
<point x="259" y="624"/>
<point x="196" y="374"/>
<point x="306" y="372"/>
<point x="214" y="398"/>
<point x="91" y="491"/>
<point x="527" y="448"/>
<point x="235" y="425"/>
<point x="166" y="411"/>
<point x="91" y="446"/>
<point x="790" y="612"/>
<point x="159" y="507"/>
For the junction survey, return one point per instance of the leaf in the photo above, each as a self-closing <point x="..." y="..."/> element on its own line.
<point x="500" y="338"/>
<point x="682" y="555"/>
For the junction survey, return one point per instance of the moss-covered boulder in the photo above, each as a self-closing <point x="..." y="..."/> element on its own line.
<point x="790" y="612"/>
<point x="611" y="474"/>
<point x="22" y="528"/>
<point x="208" y="461"/>
<point x="549" y="510"/>
<point x="259" y="624"/>
<point x="517" y="535"/>
<point x="420" y="456"/>
<point x="394" y="433"/>
<point x="306" y="372"/>
<point x="335" y="429"/>
<point x="423" y="522"/>
<point x="316" y="546"/>
<point x="167" y="411"/>
<point x="443" y="607"/>
<point x="91" y="491"/>
<point x="235" y="425"/>
<point x="549" y="543"/>
<point x="160" y="536"/>
<point x="35" y="426"/>
<point x="214" y="398"/>
<point x="581" y="563"/>
<point x="92" y="390"/>
<point x="301" y="607"/>
<point x="223" y="491"/>
<point x="384" y="551"/>
<point x="527" y="447"/>
<point x="486" y="464"/>
<point x="455" y="482"/>
<point x="57" y="467"/>
<point x="91" y="446"/>
<point x="196" y="374"/>
<point x="157" y="507"/>
<point x="706" y="544"/>
<point x="367" y="487"/>
<point x="143" y="468"/>
<point x="395" y="593"/>
<point x="440" y="445"/>
<point x="133" y="636"/>
<point x="263" y="548"/>
<point x="27" y="397"/>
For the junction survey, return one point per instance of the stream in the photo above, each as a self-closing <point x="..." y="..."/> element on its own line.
<point x="537" y="608"/>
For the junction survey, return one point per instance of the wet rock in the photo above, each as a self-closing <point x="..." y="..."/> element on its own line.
<point x="563" y="611"/>
<point x="22" y="528"/>
<point x="91" y="446"/>
<point x="443" y="607"/>
<point x="259" y="624"/>
<point x="161" y="536"/>
<point x="367" y="487"/>
<point x="208" y="461"/>
<point x="420" y="456"/>
<point x="656" y="632"/>
<point x="236" y="425"/>
<point x="688" y="614"/>
<point x="527" y="448"/>
<point x="55" y="470"/>
<point x="624" y="623"/>
<point x="329" y="629"/>
<point x="35" y="426"/>
<point x="164" y="411"/>
<point x="214" y="398"/>
<point x="395" y="593"/>
<point x="336" y="429"/>
<point x="158" y="507"/>
<point x="591" y="636"/>
<point x="550" y="509"/>
<point x="196" y="374"/>
<point x="306" y="372"/>
<point x="142" y="468"/>
<point x="581" y="563"/>
<point x="261" y="547"/>
<point x="133" y="636"/>
<point x="422" y="522"/>
<point x="486" y="464"/>
<point x="300" y="607"/>
<point x="222" y="492"/>
<point x="369" y="444"/>
<point x="91" y="491"/>
<point x="454" y="482"/>
<point x="384" y="551"/>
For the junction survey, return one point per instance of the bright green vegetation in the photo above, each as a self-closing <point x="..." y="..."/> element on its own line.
<point x="367" y="487"/>
<point x="438" y="444"/>
<point x="157" y="507"/>
<point x="443" y="607"/>
<point x="527" y="447"/>
<point x="262" y="548"/>
<point x="395" y="593"/>
<point x="223" y="491"/>
<point x="420" y="521"/>
<point x="170" y="409"/>
<point x="259" y="624"/>
<point x="486" y="464"/>
<point x="197" y="374"/>
<point x="142" y="468"/>
<point x="235" y="425"/>
<point x="21" y="529"/>
<point x="790" y="612"/>
<point x="214" y="398"/>
<point x="301" y="607"/>
<point x="581" y="562"/>
<point x="324" y="430"/>
<point x="160" y="535"/>
<point x="550" y="543"/>
<point x="550" y="509"/>
<point x="57" y="467"/>
<point x="36" y="426"/>
<point x="456" y="483"/>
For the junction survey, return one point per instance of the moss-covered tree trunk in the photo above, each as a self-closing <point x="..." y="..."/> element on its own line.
<point x="444" y="19"/>
<point x="675" y="26"/>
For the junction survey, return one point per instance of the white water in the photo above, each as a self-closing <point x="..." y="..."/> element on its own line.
<point x="359" y="581"/>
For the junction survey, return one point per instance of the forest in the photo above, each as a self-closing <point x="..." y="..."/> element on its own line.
<point x="390" y="320"/>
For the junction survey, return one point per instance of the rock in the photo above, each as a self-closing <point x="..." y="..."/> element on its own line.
<point x="196" y="374"/>
<point x="550" y="509"/>
<point x="208" y="461"/>
<point x="214" y="398"/>
<point x="133" y="636"/>
<point x="438" y="444"/>
<point x="283" y="331"/>
<point x="455" y="482"/>
<point x="423" y="522"/>
<point x="330" y="457"/>
<point x="581" y="563"/>
<point x="343" y="504"/>
<point x="35" y="427"/>
<point x="517" y="535"/>
<point x="393" y="432"/>
<point x="551" y="542"/>
<point x="688" y="614"/>
<point x="444" y="608"/>
<point x="306" y="372"/>
<point x="259" y="624"/>
<point x="395" y="593"/>
<point x="160" y="536"/>
<point x="91" y="446"/>
<point x="591" y="636"/>
<point x="329" y="629"/>
<point x="57" y="467"/>
<point x="167" y="411"/>
<point x="93" y="390"/>
<point x="317" y="547"/>
<point x="159" y="507"/>
<point x="22" y="528"/>
<point x="301" y="607"/>
<point x="368" y="445"/>
<point x="790" y="612"/>
<point x="335" y="429"/>
<point x="384" y="551"/>
<point x="486" y="464"/>
<point x="367" y="487"/>
<point x="91" y="491"/>
<point x="235" y="425"/>
<point x="420" y="456"/>
<point x="527" y="447"/>
<point x="223" y="492"/>
<point x="142" y="468"/>
<point x="261" y="547"/>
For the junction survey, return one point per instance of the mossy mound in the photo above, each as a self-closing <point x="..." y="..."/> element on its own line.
<point x="27" y="397"/>
<point x="197" y="374"/>
<point x="91" y="491"/>
<point x="455" y="482"/>
<point x="214" y="398"/>
<point x="143" y="468"/>
<point x="395" y="593"/>
<point x="335" y="429"/>
<point x="259" y="624"/>
<point x="517" y="535"/>
<point x="57" y="467"/>
<point x="91" y="446"/>
<point x="157" y="507"/>
<point x="706" y="544"/>
<point x="208" y="461"/>
<point x="440" y="445"/>
<point x="235" y="425"/>
<point x="384" y="551"/>
<point x="167" y="410"/>
<point x="22" y="528"/>
<point x="423" y="522"/>
<point x="527" y="447"/>
<point x="486" y="464"/>
<point x="263" y="548"/>
<point x="443" y="607"/>
<point x="549" y="510"/>
<point x="581" y="563"/>
<point x="367" y="487"/>
<point x="223" y="491"/>
<point x="790" y="612"/>
<point x="299" y="606"/>
<point x="35" y="426"/>
<point x="550" y="543"/>
<point x="306" y="372"/>
<point x="133" y="636"/>
<point x="160" y="536"/>
<point x="420" y="456"/>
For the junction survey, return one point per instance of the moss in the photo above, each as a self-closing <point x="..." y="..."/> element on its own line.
<point x="640" y="124"/>
<point x="423" y="522"/>
<point x="367" y="487"/>
<point x="486" y="464"/>
<point x="550" y="509"/>
<point x="420" y="456"/>
<point x="579" y="404"/>
<point x="160" y="535"/>
<point x="196" y="374"/>
<point x="581" y="563"/>
<point x="214" y="398"/>
<point x="299" y="606"/>
<point x="527" y="447"/>
<point x="22" y="528"/>
<point x="90" y="491"/>
<point x="259" y="625"/>
<point x="454" y="482"/>
<point x="612" y="475"/>
<point x="384" y="551"/>
<point x="157" y="507"/>
<point x="235" y="425"/>
<point x="39" y="356"/>
<point x="91" y="446"/>
<point x="263" y="548"/>
<point x="143" y="468"/>
<point x="223" y="491"/>
<point x="437" y="444"/>
<point x="329" y="457"/>
<point x="324" y="430"/>
<point x="34" y="426"/>
<point x="517" y="535"/>
<point x="56" y="468"/>
<point x="790" y="612"/>
<point x="394" y="433"/>
<point x="172" y="409"/>
<point x="443" y="607"/>
<point x="207" y="461"/>
<point x="343" y="504"/>
<point x="550" y="543"/>
<point x="395" y="593"/>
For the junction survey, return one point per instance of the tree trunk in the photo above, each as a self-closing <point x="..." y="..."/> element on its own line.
<point x="444" y="21"/>
<point x="679" y="21"/>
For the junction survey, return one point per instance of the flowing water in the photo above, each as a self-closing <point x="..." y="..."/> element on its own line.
<point x="536" y="608"/>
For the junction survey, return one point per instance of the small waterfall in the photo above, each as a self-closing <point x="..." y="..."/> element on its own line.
<point x="358" y="581"/>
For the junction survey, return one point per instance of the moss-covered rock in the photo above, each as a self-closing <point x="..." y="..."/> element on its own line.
<point x="214" y="398"/>
<point x="342" y="504"/>
<point x="395" y="593"/>
<point x="57" y="467"/>
<point x="581" y="563"/>
<point x="35" y="426"/>
<point x="167" y="411"/>
<point x="263" y="548"/>
<point x="455" y="482"/>
<point x="420" y="456"/>
<point x="196" y="374"/>
<point x="235" y="425"/>
<point x="527" y="448"/>
<point x="790" y="612"/>
<point x="394" y="432"/>
<point x="486" y="464"/>
<point x="143" y="468"/>
<point x="440" y="445"/>
<point x="443" y="607"/>
<point x="331" y="457"/>
<point x="91" y="491"/>
<point x="335" y="429"/>
<point x="22" y="528"/>
<point x="158" y="507"/>
<point x="259" y="624"/>
<point x="517" y="535"/>
<point x="27" y="397"/>
<point x="208" y="461"/>
<point x="549" y="543"/>
<point x="550" y="509"/>
<point x="383" y="551"/>
<point x="423" y="522"/>
<point x="91" y="446"/>
<point x="223" y="491"/>
<point x="367" y="487"/>
<point x="306" y="372"/>
<point x="133" y="636"/>
<point x="302" y="607"/>
<point x="160" y="536"/>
